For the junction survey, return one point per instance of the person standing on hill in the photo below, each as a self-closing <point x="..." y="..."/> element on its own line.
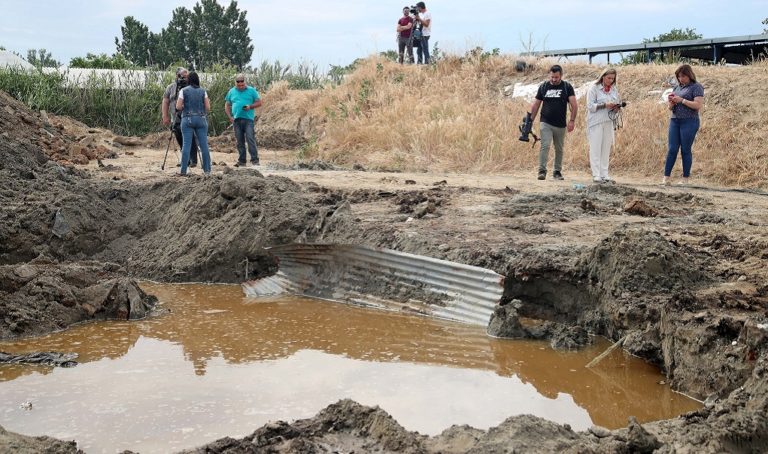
<point x="554" y="96"/>
<point x="172" y="117"/>
<point x="424" y="19"/>
<point x="685" y="101"/>
<point x="194" y="105"/>
<point x="239" y="104"/>
<point x="404" y="40"/>
<point x="602" y="99"/>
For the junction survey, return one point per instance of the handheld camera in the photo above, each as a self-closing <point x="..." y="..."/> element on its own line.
<point x="526" y="129"/>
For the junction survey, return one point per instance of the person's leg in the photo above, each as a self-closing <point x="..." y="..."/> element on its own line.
<point x="419" y="53"/>
<point x="546" y="141"/>
<point x="410" y="52"/>
<point x="201" y="132"/>
<point x="400" y="49"/>
<point x="186" y="132"/>
<point x="193" y="152"/>
<point x="605" y="154"/>
<point x="673" y="140"/>
<point x="595" y="137"/>
<point x="425" y="48"/>
<point x="688" y="129"/>
<point x="239" y="127"/>
<point x="250" y="137"/>
<point x="558" y="137"/>
<point x="177" y="134"/>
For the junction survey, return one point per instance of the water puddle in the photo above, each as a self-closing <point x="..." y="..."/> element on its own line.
<point x="220" y="364"/>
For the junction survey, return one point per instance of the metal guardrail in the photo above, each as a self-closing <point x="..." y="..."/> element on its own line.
<point x="384" y="279"/>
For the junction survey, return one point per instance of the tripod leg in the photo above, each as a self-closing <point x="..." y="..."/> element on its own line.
<point x="162" y="167"/>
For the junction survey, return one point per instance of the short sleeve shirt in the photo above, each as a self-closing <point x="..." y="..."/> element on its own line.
<point x="405" y="21"/>
<point x="239" y="99"/>
<point x="554" y="102"/>
<point x="688" y="92"/>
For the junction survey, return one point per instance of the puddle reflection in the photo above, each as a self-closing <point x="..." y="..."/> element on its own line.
<point x="220" y="364"/>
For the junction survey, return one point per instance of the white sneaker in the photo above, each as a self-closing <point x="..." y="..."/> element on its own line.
<point x="597" y="180"/>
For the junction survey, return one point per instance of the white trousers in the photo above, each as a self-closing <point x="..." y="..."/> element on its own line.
<point x="600" y="138"/>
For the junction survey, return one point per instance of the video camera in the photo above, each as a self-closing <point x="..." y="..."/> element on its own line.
<point x="414" y="10"/>
<point x="181" y="82"/>
<point x="526" y="129"/>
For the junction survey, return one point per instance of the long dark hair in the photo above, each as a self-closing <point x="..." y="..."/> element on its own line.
<point x="194" y="79"/>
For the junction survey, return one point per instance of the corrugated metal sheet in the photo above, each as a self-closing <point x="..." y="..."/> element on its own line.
<point x="384" y="279"/>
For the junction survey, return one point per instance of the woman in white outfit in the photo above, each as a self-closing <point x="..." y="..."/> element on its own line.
<point x="602" y="98"/>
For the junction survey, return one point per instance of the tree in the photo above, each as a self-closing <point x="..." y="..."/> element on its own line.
<point x="136" y="44"/>
<point x="676" y="34"/>
<point x="102" y="61"/>
<point x="207" y="35"/>
<point x="41" y="58"/>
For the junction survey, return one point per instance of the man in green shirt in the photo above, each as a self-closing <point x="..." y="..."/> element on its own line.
<point x="239" y="104"/>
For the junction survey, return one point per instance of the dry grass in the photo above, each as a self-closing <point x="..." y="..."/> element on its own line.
<point x="456" y="117"/>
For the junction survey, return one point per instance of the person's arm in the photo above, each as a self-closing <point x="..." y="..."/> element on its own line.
<point x="180" y="102"/>
<point x="207" y="103"/>
<point x="228" y="111"/>
<point x="535" y="108"/>
<point x="427" y="21"/>
<point x="695" y="104"/>
<point x="164" y="110"/>
<point x="574" y="110"/>
<point x="256" y="102"/>
<point x="592" y="104"/>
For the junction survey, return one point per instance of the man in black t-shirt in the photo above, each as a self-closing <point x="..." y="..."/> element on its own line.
<point x="554" y="97"/>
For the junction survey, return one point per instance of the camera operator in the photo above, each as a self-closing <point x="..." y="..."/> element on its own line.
<point x="404" y="40"/>
<point x="423" y="19"/>
<point x="602" y="99"/>
<point x="172" y="117"/>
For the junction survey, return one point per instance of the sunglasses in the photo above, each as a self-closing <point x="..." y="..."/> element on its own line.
<point x="239" y="81"/>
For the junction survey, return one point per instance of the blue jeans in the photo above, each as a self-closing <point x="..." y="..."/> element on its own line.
<point x="424" y="49"/>
<point x="682" y="132"/>
<point x="197" y="126"/>
<point x="244" y="133"/>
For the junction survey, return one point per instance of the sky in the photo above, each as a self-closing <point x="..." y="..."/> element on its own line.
<point x="336" y="32"/>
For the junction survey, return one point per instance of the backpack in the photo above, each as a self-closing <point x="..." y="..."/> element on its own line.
<point x="417" y="34"/>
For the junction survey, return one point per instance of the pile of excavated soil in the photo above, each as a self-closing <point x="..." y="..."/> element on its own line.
<point x="40" y="297"/>
<point x="685" y="288"/>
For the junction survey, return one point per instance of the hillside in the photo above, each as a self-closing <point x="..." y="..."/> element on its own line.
<point x="460" y="115"/>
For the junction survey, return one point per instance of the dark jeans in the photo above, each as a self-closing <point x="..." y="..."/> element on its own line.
<point x="682" y="133"/>
<point x="402" y="44"/>
<point x="244" y="133"/>
<point x="423" y="49"/>
<point x="195" y="126"/>
<point x="180" y="140"/>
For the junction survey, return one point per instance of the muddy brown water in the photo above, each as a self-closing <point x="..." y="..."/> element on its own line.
<point x="220" y="364"/>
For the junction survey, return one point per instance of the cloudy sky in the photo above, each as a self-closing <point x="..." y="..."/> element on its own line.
<point x="338" y="31"/>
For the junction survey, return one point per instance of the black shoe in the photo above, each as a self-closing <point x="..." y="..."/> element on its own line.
<point x="193" y="164"/>
<point x="557" y="175"/>
<point x="255" y="163"/>
<point x="542" y="174"/>
<point x="239" y="164"/>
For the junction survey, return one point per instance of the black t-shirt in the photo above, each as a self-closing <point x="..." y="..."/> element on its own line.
<point x="554" y="102"/>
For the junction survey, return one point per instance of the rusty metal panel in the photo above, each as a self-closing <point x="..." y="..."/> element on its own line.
<point x="384" y="279"/>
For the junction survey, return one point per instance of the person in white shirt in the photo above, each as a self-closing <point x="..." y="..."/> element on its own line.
<point x="425" y="19"/>
<point x="603" y="102"/>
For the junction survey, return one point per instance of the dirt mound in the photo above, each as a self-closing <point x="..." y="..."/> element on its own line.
<point x="642" y="260"/>
<point x="60" y="138"/>
<point x="39" y="297"/>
